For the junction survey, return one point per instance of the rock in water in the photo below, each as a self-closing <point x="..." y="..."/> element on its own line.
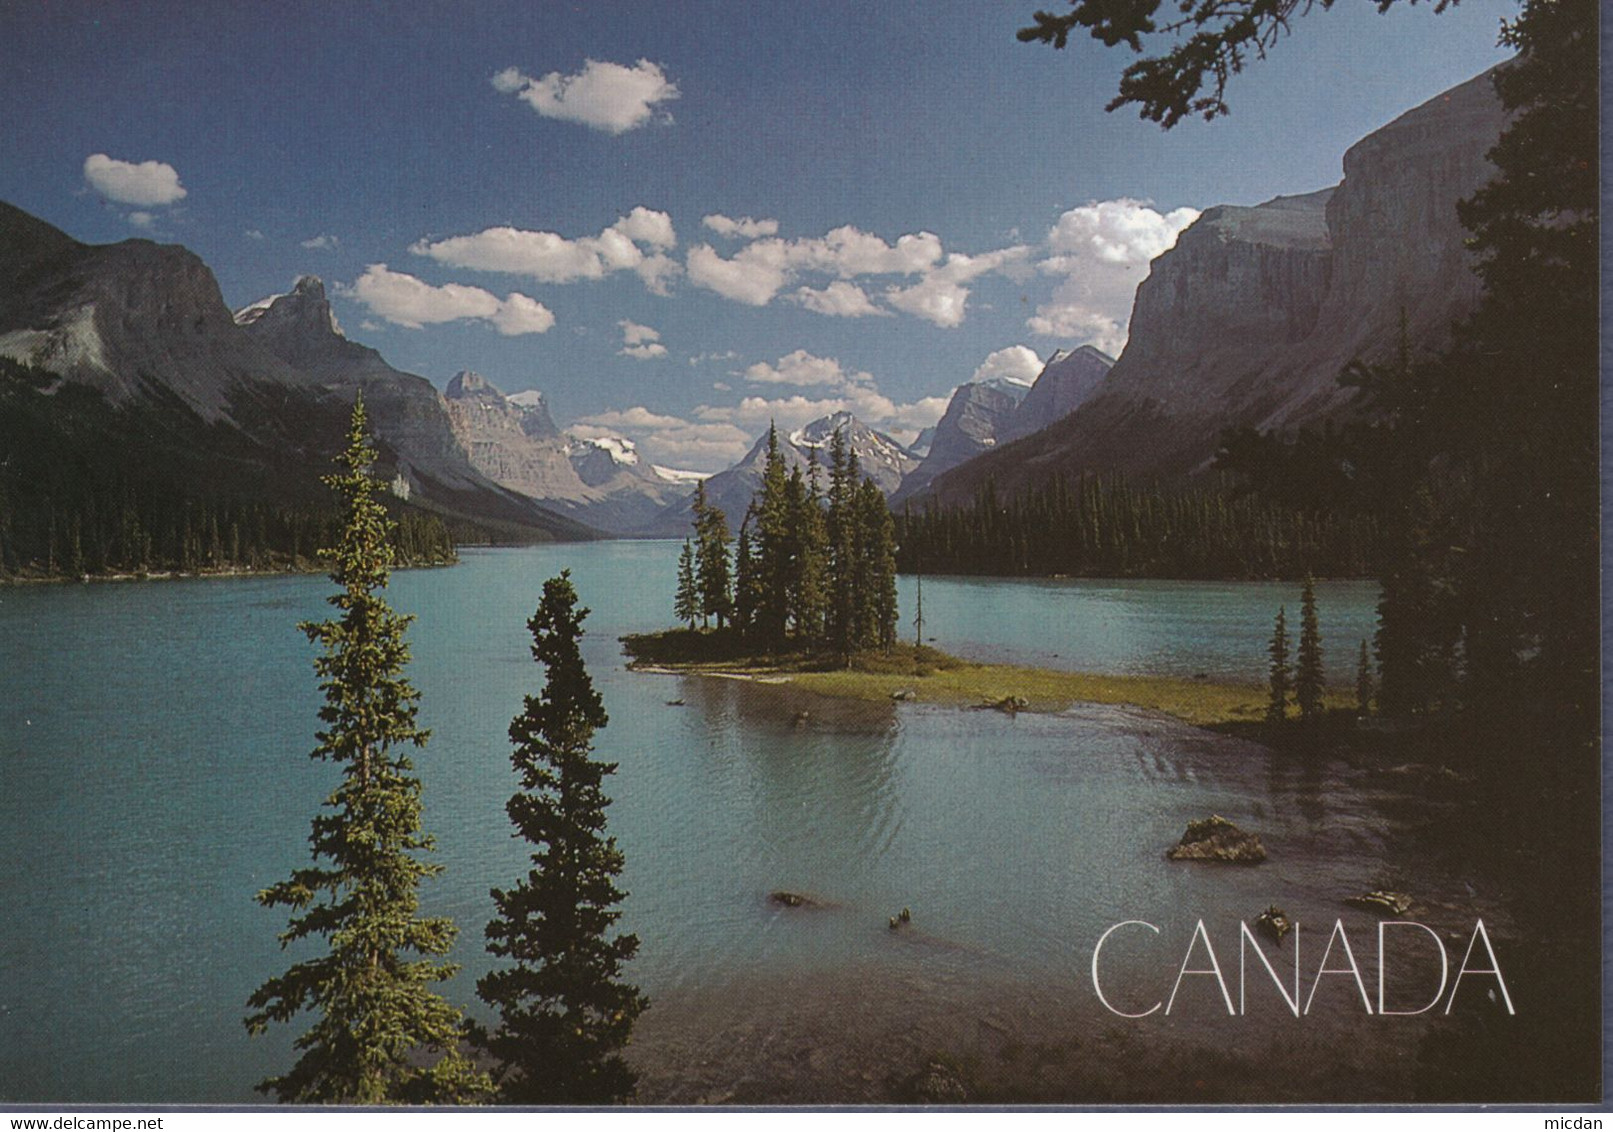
<point x="1273" y="923"/>
<point x="792" y="899"/>
<point x="1391" y="903"/>
<point x="1216" y="839"/>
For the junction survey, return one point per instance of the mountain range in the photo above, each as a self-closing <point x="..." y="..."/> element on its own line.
<point x="879" y="457"/>
<point x="261" y="398"/>
<point x="1247" y="321"/>
<point x="984" y="414"/>
<point x="599" y="480"/>
<point x="1250" y="318"/>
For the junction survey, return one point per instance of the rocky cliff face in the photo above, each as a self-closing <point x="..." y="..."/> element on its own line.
<point x="982" y="415"/>
<point x="493" y="431"/>
<point x="1250" y="318"/>
<point x="122" y="317"/>
<point x="146" y="326"/>
<point x="515" y="443"/>
<point x="975" y="417"/>
<point x="410" y="417"/>
<point x="1067" y="382"/>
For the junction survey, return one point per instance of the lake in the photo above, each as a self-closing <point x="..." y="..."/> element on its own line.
<point x="154" y="775"/>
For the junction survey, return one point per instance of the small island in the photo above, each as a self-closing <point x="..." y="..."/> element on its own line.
<point x="922" y="674"/>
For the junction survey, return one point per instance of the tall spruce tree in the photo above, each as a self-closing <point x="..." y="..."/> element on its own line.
<point x="565" y="1011"/>
<point x="876" y="603"/>
<point x="1277" y="704"/>
<point x="686" y="601"/>
<point x="841" y="529"/>
<point x="713" y="580"/>
<point x="773" y="559"/>
<point x="382" y="1035"/>
<point x="1309" y="676"/>
<point x="812" y="569"/>
<point x="747" y="584"/>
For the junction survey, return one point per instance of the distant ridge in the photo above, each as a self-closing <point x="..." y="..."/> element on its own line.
<point x="145" y="326"/>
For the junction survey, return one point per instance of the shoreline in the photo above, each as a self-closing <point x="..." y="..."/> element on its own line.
<point x="979" y="685"/>
<point x="189" y="575"/>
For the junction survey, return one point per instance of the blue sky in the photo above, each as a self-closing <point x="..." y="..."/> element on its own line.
<point x="679" y="220"/>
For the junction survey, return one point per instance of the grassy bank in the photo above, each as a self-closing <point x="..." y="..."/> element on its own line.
<point x="933" y="676"/>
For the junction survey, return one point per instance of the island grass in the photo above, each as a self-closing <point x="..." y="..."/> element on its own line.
<point x="935" y="677"/>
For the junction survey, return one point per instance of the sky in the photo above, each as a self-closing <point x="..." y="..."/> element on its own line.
<point x="680" y="221"/>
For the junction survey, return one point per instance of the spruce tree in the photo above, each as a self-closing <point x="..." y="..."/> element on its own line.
<point x="841" y="530"/>
<point x="876" y="601"/>
<point x="686" y="602"/>
<point x="382" y="1034"/>
<point x="565" y="1010"/>
<point x="812" y="568"/>
<point x="1309" y="679"/>
<point x="747" y="588"/>
<point x="713" y="582"/>
<point x="1277" y="706"/>
<point x="772" y="547"/>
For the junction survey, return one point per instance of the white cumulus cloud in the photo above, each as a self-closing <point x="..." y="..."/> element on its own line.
<point x="1099" y="252"/>
<point x="645" y="352"/>
<point x="634" y="334"/>
<point x="753" y="276"/>
<point x="757" y="272"/>
<point x="641" y="342"/>
<point x="933" y="299"/>
<point x="550" y="257"/>
<point x="802" y="368"/>
<point x="322" y="243"/>
<point x="604" y="96"/>
<point x="1117" y="231"/>
<point x="647" y="226"/>
<point x="744" y="227"/>
<point x="839" y="299"/>
<point x="145" y="184"/>
<point x="1016" y="363"/>
<point x="518" y="314"/>
<point x="407" y="301"/>
<point x="848" y="251"/>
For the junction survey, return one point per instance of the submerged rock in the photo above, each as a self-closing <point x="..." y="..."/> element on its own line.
<point x="793" y="899"/>
<point x="1216" y="839"/>
<point x="1273" y="923"/>
<point x="1378" y="900"/>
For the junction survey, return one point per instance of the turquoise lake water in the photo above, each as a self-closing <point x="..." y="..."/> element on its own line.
<point x="154" y="775"/>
